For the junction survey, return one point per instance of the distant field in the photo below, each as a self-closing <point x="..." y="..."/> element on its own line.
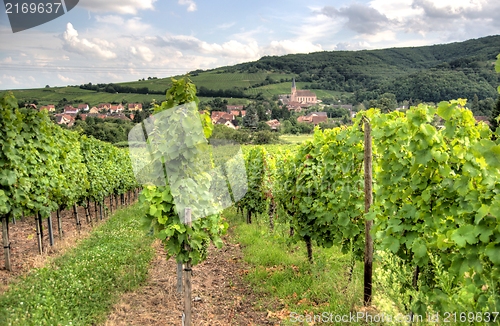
<point x="296" y="139"/>
<point x="212" y="80"/>
<point x="53" y="95"/>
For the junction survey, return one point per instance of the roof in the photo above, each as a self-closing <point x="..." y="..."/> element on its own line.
<point x="133" y="105"/>
<point x="304" y="92"/>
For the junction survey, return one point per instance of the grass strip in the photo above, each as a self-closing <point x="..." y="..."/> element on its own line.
<point x="80" y="287"/>
<point x="290" y="288"/>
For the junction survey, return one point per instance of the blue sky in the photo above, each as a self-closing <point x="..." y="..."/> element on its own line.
<point x="125" y="40"/>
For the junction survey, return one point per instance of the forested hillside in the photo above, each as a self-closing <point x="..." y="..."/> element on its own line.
<point x="416" y="74"/>
<point x="429" y="73"/>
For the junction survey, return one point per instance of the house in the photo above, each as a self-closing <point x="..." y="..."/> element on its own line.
<point x="229" y="124"/>
<point x="216" y="115"/>
<point x="274" y="124"/>
<point x="243" y="113"/>
<point x="120" y="116"/>
<point x="135" y="107"/>
<point x="83" y="107"/>
<point x="116" y="108"/>
<point x="49" y="107"/>
<point x="104" y="106"/>
<point x="314" y="118"/>
<point x="69" y="109"/>
<point x="224" y="118"/>
<point x="66" y="119"/>
<point x="94" y="110"/>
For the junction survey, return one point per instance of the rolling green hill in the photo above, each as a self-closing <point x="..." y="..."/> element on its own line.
<point x="428" y="73"/>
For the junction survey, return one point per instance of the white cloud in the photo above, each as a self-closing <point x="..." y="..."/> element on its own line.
<point x="32" y="78"/>
<point x="118" y="6"/>
<point x="144" y="52"/>
<point x="232" y="49"/>
<point x="110" y="19"/>
<point x="190" y="3"/>
<point x="352" y="46"/>
<point x="292" y="46"/>
<point x="97" y="48"/>
<point x="65" y="79"/>
<point x="226" y="25"/>
<point x="12" y="79"/>
<point x="387" y="35"/>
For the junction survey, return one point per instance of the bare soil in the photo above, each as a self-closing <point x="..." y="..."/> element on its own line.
<point x="220" y="295"/>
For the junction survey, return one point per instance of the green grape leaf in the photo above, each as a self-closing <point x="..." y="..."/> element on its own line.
<point x="465" y="234"/>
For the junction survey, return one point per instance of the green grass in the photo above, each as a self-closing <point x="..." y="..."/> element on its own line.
<point x="286" y="282"/>
<point x="296" y="139"/>
<point x="80" y="287"/>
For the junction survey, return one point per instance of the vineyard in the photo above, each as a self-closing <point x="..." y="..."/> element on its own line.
<point x="436" y="206"/>
<point x="47" y="169"/>
<point x="412" y="196"/>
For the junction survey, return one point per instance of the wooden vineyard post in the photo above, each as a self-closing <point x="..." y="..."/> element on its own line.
<point x="49" y="227"/>
<point x="59" y="223"/>
<point x="39" y="234"/>
<point x="187" y="277"/>
<point x="87" y="212"/>
<point x="110" y="205"/>
<point x="179" y="277"/>
<point x="6" y="242"/>
<point x="78" y="224"/>
<point x="100" y="208"/>
<point x="367" y="293"/>
<point x="96" y="211"/>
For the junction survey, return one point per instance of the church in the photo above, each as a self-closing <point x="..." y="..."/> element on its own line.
<point x="302" y="96"/>
<point x="298" y="99"/>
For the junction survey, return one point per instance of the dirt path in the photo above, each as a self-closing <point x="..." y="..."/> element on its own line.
<point x="222" y="296"/>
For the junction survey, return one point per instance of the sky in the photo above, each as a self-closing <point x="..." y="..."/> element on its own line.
<point x="104" y="41"/>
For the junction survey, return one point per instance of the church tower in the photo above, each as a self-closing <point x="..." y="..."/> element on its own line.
<point x="294" y="91"/>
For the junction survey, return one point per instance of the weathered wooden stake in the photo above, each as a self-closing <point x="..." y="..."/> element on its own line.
<point x="100" y="208"/>
<point x="179" y="277"/>
<point x="187" y="276"/>
<point x="51" y="234"/>
<point x="39" y="232"/>
<point x="59" y="223"/>
<point x="367" y="295"/>
<point x="111" y="204"/>
<point x="6" y="242"/>
<point x="96" y="211"/>
<point x="87" y="212"/>
<point x="77" y="219"/>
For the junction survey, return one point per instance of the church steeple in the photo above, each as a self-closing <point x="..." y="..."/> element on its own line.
<point x="294" y="91"/>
